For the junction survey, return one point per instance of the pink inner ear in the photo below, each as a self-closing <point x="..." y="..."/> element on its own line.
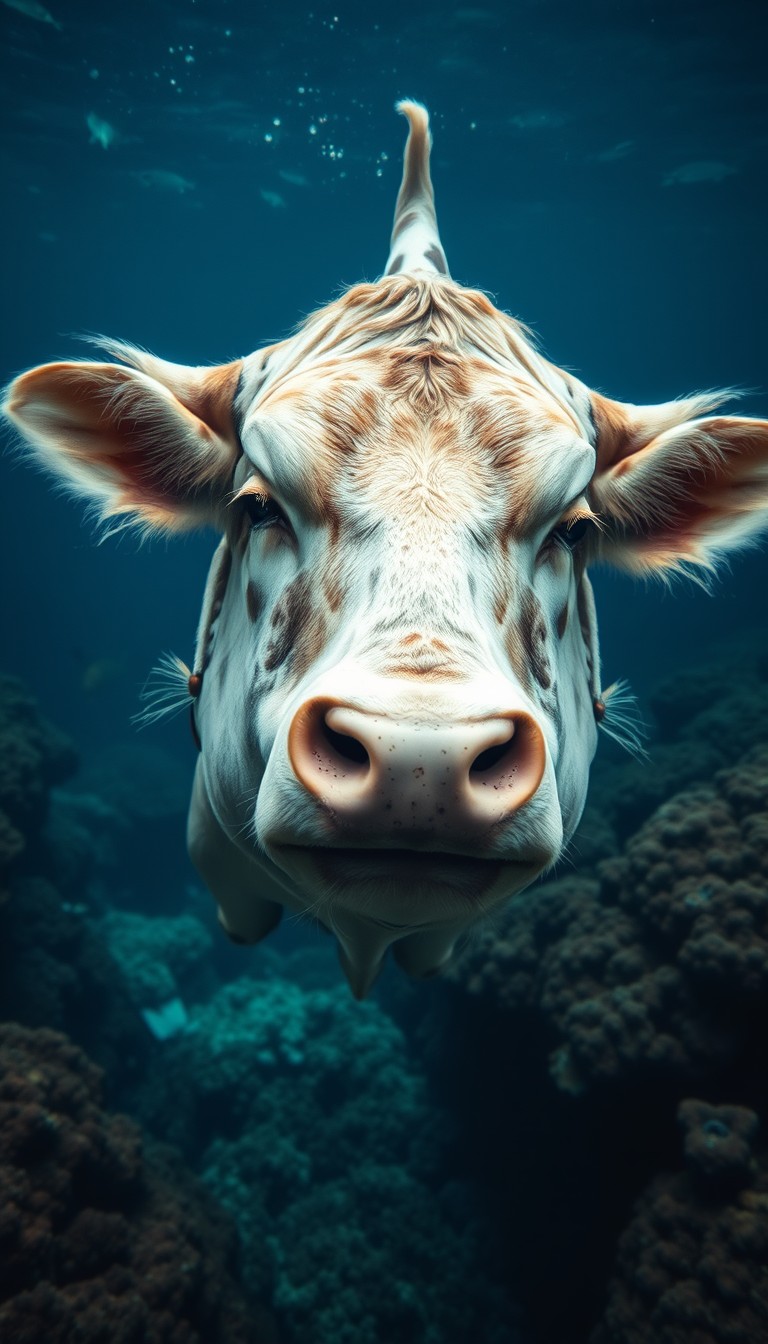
<point x="694" y="488"/>
<point x="124" y="436"/>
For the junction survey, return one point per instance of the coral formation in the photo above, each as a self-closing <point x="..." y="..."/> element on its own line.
<point x="692" y="1265"/>
<point x="310" y="1122"/>
<point x="98" y="1239"/>
<point x="33" y="757"/>
<point x="657" y="967"/>
<point x="705" y="719"/>
<point x="56" y="971"/>
<point x="161" y="957"/>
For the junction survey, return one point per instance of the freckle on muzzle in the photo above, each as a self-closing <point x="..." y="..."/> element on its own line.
<point x="410" y="783"/>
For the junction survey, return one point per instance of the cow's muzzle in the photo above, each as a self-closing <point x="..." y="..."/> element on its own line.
<point x="415" y="783"/>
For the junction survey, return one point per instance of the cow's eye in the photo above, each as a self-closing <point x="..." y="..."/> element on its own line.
<point x="263" y="511"/>
<point x="570" y="533"/>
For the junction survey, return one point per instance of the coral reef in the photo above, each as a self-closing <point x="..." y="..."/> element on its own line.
<point x="165" y="962"/>
<point x="55" y="971"/>
<point x="33" y="757"/>
<point x="98" y="1239"/>
<point x="310" y="1122"/>
<point x="703" y="719"/>
<point x="692" y="1265"/>
<point x="658" y="967"/>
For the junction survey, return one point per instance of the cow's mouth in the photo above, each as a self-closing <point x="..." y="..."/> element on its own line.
<point x="402" y="864"/>
<point x="404" y="884"/>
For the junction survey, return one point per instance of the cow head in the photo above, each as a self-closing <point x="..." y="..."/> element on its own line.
<point x="397" y="676"/>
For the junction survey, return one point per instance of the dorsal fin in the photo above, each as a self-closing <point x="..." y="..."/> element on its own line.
<point x="416" y="242"/>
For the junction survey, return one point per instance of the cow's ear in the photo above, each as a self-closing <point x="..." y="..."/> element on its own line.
<point x="155" y="442"/>
<point x="676" y="488"/>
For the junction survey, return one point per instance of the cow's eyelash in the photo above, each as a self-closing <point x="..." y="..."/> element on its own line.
<point x="572" y="529"/>
<point x="254" y="486"/>
<point x="260" y="507"/>
<point x="580" y="511"/>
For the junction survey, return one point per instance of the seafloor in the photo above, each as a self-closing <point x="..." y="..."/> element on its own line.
<point x="562" y="1141"/>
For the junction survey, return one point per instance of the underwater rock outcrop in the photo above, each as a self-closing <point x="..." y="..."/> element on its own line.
<point x="100" y="1239"/>
<point x="692" y="1265"/>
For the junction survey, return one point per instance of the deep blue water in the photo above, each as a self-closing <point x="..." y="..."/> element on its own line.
<point x="600" y="169"/>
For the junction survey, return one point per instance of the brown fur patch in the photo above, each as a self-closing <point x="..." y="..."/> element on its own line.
<point x="500" y="605"/>
<point x="426" y="377"/>
<point x="405" y="220"/>
<point x="253" y="601"/>
<point x="298" y="628"/>
<point x="533" y="633"/>
<point x="436" y="256"/>
<point x="562" y="622"/>
<point x="422" y="672"/>
<point x="333" y="593"/>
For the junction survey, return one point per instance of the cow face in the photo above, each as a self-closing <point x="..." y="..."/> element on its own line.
<point x="405" y="639"/>
<point x="397" y="671"/>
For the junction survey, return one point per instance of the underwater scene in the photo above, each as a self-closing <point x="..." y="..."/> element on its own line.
<point x="428" y="560"/>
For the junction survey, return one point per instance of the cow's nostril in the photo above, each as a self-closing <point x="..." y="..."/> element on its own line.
<point x="349" y="748"/>
<point x="490" y="757"/>
<point x="509" y="772"/>
<point x="332" y="765"/>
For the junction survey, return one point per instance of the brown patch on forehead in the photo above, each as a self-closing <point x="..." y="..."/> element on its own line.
<point x="429" y="376"/>
<point x="350" y="416"/>
<point x="298" y="627"/>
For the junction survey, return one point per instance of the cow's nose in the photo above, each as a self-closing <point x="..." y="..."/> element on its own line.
<point x="386" y="776"/>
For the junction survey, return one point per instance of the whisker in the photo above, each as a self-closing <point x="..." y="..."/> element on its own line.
<point x="623" y="721"/>
<point x="165" y="692"/>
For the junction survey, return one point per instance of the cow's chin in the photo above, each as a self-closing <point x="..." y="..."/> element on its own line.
<point x="403" y="888"/>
